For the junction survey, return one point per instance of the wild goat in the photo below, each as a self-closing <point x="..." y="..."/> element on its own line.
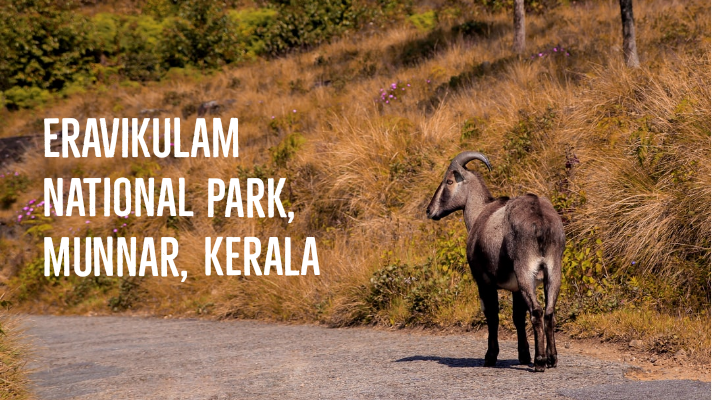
<point x="512" y="244"/>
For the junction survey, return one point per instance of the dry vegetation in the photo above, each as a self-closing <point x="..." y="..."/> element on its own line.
<point x="12" y="359"/>
<point x="623" y="154"/>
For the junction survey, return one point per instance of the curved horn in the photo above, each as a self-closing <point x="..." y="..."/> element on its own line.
<point x="467" y="156"/>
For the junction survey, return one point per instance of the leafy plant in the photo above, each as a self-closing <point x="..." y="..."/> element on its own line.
<point x="45" y="43"/>
<point x="425" y="21"/>
<point x="253" y="26"/>
<point x="301" y="24"/>
<point x="286" y="149"/>
<point x="11" y="186"/>
<point x="200" y="34"/>
<point x="26" y="97"/>
<point x="421" y="289"/>
<point x="30" y="280"/>
<point x="130" y="293"/>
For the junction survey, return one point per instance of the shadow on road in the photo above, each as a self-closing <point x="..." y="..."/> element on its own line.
<point x="462" y="362"/>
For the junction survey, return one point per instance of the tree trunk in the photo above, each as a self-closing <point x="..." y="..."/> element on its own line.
<point x="518" y="46"/>
<point x="630" y="50"/>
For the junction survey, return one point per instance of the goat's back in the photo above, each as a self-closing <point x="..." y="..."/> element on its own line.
<point x="531" y="223"/>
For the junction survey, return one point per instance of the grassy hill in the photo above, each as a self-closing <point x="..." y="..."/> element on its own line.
<point x="624" y="155"/>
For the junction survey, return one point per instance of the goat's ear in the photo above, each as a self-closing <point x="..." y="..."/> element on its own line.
<point x="458" y="176"/>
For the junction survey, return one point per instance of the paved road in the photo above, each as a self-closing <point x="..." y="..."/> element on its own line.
<point x="146" y="358"/>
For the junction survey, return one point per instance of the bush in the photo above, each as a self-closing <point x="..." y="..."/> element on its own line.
<point x="403" y="294"/>
<point x="252" y="26"/>
<point x="200" y="34"/>
<point x="287" y="148"/>
<point x="139" y="40"/>
<point x="26" y="97"/>
<point x="302" y="24"/>
<point x="106" y="32"/>
<point x="424" y="22"/>
<point x="44" y="44"/>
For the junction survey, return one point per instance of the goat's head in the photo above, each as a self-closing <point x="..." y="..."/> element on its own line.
<point x="454" y="189"/>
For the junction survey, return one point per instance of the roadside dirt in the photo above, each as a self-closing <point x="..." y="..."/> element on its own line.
<point x="643" y="365"/>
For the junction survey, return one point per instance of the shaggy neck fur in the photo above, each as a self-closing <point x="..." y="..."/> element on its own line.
<point x="477" y="199"/>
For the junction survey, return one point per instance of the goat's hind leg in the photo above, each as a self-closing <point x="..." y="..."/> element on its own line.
<point x="527" y="286"/>
<point x="551" y="293"/>
<point x="490" y="306"/>
<point x="519" y="315"/>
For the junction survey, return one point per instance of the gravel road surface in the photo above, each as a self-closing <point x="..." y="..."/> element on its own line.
<point x="148" y="358"/>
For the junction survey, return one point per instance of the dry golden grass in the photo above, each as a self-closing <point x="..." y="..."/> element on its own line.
<point x="361" y="180"/>
<point x="13" y="377"/>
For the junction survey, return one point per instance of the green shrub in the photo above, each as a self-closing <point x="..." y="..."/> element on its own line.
<point x="30" y="281"/>
<point x="472" y="129"/>
<point x="130" y="292"/>
<point x="11" y="186"/>
<point x="286" y="149"/>
<point x="160" y="9"/>
<point x="302" y="24"/>
<point x="426" y="21"/>
<point x="521" y="139"/>
<point x="26" y="97"/>
<point x="139" y="39"/>
<point x="44" y="43"/>
<point x="252" y="26"/>
<point x="106" y="32"/>
<point x="201" y="34"/>
<point x="419" y="291"/>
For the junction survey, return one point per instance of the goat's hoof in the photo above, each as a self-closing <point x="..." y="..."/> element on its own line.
<point x="490" y="362"/>
<point x="539" y="368"/>
<point x="551" y="361"/>
<point x="525" y="359"/>
<point x="539" y="364"/>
